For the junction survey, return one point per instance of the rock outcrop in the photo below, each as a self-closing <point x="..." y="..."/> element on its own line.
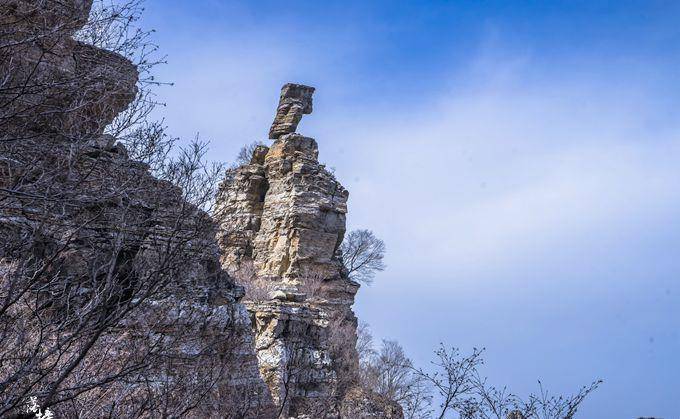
<point x="113" y="302"/>
<point x="58" y="85"/>
<point x="295" y="101"/>
<point x="282" y="219"/>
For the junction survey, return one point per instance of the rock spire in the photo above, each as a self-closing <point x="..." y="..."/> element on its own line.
<point x="295" y="101"/>
<point x="282" y="219"/>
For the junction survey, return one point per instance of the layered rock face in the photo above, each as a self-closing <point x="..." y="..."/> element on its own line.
<point x="112" y="299"/>
<point x="303" y="215"/>
<point x="282" y="219"/>
<point x="58" y="86"/>
<point x="295" y="101"/>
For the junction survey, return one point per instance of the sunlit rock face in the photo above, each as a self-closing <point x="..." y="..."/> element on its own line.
<point x="77" y="212"/>
<point x="295" y="101"/>
<point x="281" y="220"/>
<point x="303" y="214"/>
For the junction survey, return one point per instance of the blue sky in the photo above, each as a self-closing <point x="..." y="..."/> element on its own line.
<point x="521" y="160"/>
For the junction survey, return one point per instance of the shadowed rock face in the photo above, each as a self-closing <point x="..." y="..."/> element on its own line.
<point x="283" y="216"/>
<point x="58" y="85"/>
<point x="71" y="198"/>
<point x="295" y="101"/>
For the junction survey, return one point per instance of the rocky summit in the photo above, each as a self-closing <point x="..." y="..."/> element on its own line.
<point x="295" y="101"/>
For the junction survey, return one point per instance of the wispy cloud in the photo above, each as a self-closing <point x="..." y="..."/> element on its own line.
<point x="510" y="165"/>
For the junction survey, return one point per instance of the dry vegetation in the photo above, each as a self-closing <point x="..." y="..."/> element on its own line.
<point x="453" y="386"/>
<point x="362" y="254"/>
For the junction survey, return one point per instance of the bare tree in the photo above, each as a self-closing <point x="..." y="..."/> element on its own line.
<point x="453" y="379"/>
<point x="546" y="406"/>
<point x="454" y="382"/>
<point x="114" y="26"/>
<point x="362" y="255"/>
<point x="390" y="373"/>
<point x="364" y="347"/>
<point x="463" y="392"/>
<point x="257" y="289"/>
<point x="245" y="155"/>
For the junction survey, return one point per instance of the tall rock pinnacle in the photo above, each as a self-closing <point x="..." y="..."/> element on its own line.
<point x="295" y="101"/>
<point x="281" y="221"/>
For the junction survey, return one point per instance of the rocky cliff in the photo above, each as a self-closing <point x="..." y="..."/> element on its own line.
<point x="112" y="299"/>
<point x="281" y="220"/>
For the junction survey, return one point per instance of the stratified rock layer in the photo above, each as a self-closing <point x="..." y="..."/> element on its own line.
<point x="77" y="212"/>
<point x="303" y="214"/>
<point x="295" y="101"/>
<point x="281" y="219"/>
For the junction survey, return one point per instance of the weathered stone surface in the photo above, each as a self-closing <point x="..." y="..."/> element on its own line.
<point x="239" y="211"/>
<point x="48" y="18"/>
<point x="283" y="215"/>
<point x="292" y="347"/>
<point x="61" y="86"/>
<point x="286" y="214"/>
<point x="69" y="190"/>
<point x="360" y="404"/>
<point x="303" y="220"/>
<point x="295" y="101"/>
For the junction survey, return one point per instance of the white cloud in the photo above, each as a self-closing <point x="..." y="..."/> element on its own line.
<point x="490" y="173"/>
<point x="509" y="161"/>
